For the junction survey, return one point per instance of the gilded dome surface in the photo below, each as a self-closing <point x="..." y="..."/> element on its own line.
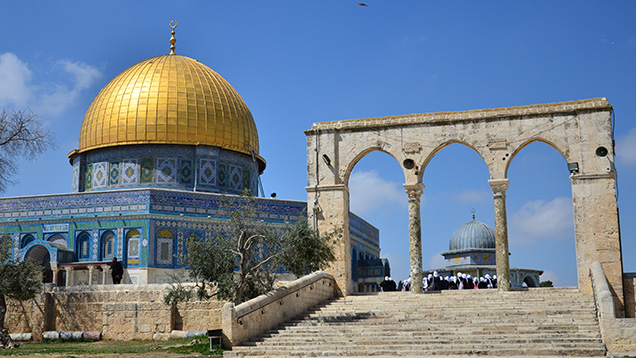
<point x="473" y="235"/>
<point x="169" y="99"/>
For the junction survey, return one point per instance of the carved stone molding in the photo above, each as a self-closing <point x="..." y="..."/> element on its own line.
<point x="499" y="186"/>
<point x="414" y="191"/>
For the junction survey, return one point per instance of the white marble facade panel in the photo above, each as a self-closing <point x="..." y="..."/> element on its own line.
<point x="166" y="171"/>
<point x="129" y="172"/>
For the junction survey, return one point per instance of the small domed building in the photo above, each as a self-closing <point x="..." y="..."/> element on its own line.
<point x="471" y="250"/>
<point x="158" y="147"/>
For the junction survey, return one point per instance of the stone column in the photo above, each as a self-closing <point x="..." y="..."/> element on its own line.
<point x="105" y="268"/>
<point x="499" y="188"/>
<point x="55" y="273"/>
<point x="69" y="273"/>
<point x="91" y="268"/>
<point x="414" y="191"/>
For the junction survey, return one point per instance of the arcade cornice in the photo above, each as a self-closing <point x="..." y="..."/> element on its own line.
<point x="472" y="115"/>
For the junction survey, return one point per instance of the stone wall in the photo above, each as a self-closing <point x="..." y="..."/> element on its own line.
<point x="120" y="312"/>
<point x="629" y="285"/>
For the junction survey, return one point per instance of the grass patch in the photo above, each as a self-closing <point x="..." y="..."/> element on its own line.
<point x="112" y="348"/>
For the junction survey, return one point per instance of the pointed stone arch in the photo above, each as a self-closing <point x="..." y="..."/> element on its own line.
<point x="580" y="130"/>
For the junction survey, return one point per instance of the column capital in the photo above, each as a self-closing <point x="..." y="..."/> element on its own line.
<point x="414" y="191"/>
<point x="499" y="186"/>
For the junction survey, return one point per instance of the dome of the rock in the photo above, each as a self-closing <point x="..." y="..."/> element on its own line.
<point x="169" y="122"/>
<point x="169" y="99"/>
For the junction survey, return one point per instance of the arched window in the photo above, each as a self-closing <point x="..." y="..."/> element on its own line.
<point x="57" y="240"/>
<point x="26" y="239"/>
<point x="108" y="245"/>
<point x="165" y="247"/>
<point x="134" y="245"/>
<point x="83" y="246"/>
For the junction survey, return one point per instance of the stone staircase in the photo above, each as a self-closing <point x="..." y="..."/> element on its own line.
<point x="536" y="322"/>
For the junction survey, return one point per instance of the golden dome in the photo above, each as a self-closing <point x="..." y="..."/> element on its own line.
<point x="169" y="99"/>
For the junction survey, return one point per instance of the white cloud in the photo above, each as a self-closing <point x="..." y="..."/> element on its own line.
<point x="14" y="81"/>
<point x="369" y="192"/>
<point x="61" y="97"/>
<point x="626" y="148"/>
<point x="17" y="88"/>
<point x="540" y="220"/>
<point x="472" y="196"/>
<point x="436" y="261"/>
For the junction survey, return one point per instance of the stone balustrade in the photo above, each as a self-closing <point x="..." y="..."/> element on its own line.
<point x="267" y="311"/>
<point x="618" y="333"/>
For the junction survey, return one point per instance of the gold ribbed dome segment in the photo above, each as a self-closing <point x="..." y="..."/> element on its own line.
<point x="169" y="99"/>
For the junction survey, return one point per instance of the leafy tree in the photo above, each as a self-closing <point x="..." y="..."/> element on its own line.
<point x="241" y="261"/>
<point x="546" y="284"/>
<point x="18" y="280"/>
<point x="21" y="135"/>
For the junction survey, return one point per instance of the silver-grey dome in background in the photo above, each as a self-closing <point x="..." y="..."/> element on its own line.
<point x="473" y="235"/>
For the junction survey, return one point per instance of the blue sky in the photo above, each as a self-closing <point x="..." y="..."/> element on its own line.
<point x="300" y="62"/>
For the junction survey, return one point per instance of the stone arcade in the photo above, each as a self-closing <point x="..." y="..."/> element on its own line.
<point x="580" y="130"/>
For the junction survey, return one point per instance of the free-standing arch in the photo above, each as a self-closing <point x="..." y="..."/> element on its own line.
<point x="580" y="130"/>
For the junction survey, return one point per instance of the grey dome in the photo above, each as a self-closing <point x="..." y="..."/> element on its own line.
<point x="473" y="235"/>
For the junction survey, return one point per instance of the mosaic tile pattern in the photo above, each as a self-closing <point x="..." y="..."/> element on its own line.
<point x="236" y="178"/>
<point x="100" y="176"/>
<point x="95" y="244"/>
<point x="76" y="178"/>
<point x="114" y="173"/>
<point x="207" y="171"/>
<point x="166" y="171"/>
<point x="147" y="165"/>
<point x="89" y="177"/>
<point x="185" y="171"/>
<point x="222" y="175"/>
<point x="129" y="172"/>
<point x="120" y="239"/>
<point x="164" y="250"/>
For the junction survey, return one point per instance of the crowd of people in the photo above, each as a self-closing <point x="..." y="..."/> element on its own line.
<point x="436" y="282"/>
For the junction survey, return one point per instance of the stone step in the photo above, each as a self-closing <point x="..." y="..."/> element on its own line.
<point x="401" y="340"/>
<point x="408" y="351"/>
<point x="541" y="322"/>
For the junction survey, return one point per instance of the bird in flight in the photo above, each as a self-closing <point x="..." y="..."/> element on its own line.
<point x="363" y="4"/>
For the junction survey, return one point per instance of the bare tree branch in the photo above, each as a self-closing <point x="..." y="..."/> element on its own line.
<point x="21" y="135"/>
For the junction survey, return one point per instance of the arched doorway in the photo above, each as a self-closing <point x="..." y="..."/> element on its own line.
<point x="40" y="254"/>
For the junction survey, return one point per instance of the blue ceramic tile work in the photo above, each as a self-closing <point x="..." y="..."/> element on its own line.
<point x="166" y="166"/>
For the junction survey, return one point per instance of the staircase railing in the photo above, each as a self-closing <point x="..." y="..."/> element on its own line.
<point x="251" y="318"/>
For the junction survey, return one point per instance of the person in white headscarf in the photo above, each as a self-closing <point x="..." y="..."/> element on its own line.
<point x="407" y="284"/>
<point x="452" y="283"/>
<point x="384" y="284"/>
<point x="488" y="281"/>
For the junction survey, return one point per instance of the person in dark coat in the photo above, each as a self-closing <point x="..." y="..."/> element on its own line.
<point x="116" y="271"/>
